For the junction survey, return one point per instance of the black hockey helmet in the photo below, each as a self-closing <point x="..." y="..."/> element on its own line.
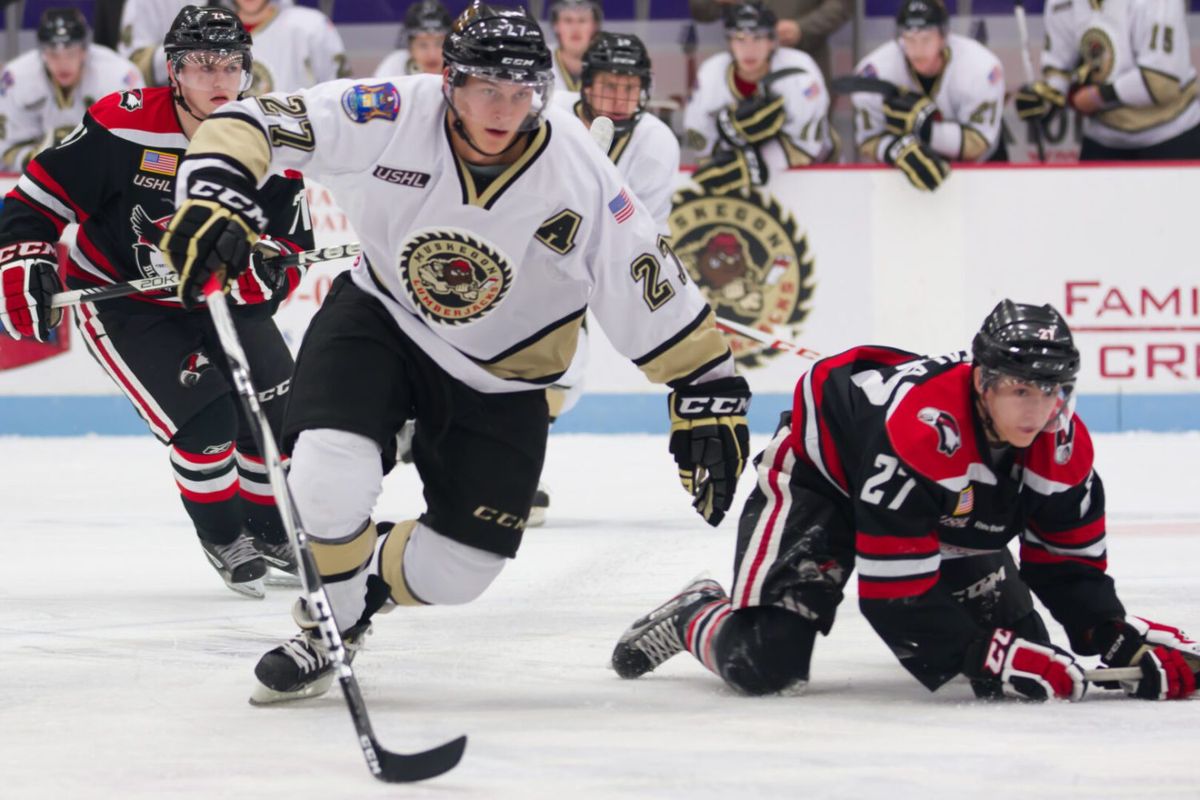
<point x="915" y="15"/>
<point x="62" y="26"/>
<point x="1028" y="342"/>
<point x="752" y="17"/>
<point x="499" y="42"/>
<point x="426" y="16"/>
<point x="559" y="5"/>
<point x="623" y="54"/>
<point x="208" y="29"/>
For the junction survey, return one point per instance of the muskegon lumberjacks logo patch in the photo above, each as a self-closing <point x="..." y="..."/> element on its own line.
<point x="749" y="259"/>
<point x="452" y="276"/>
<point x="949" y="436"/>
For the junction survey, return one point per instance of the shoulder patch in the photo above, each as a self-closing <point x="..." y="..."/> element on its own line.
<point x="1060" y="460"/>
<point x="147" y="110"/>
<point x="6" y="82"/>
<point x="365" y="102"/>
<point x="131" y="100"/>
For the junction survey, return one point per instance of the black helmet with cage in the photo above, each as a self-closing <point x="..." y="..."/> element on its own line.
<point x="917" y="15"/>
<point x="59" y="27"/>
<point x="751" y="17"/>
<point x="620" y="54"/>
<point x="202" y="33"/>
<point x="426" y="16"/>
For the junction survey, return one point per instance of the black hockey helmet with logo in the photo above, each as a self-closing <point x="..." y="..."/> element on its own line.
<point x="1028" y="342"/>
<point x="753" y="17"/>
<point x="500" y="42"/>
<point x="62" y="26"/>
<point x="209" y="29"/>
<point x="591" y="5"/>
<point x="426" y="16"/>
<point x="621" y="54"/>
<point x="916" y="15"/>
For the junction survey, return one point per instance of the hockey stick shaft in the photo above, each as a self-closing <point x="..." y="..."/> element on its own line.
<point x="850" y="84"/>
<point x="1114" y="674"/>
<point x="773" y="343"/>
<point x="385" y="765"/>
<point x="160" y="282"/>
<point x="1027" y="66"/>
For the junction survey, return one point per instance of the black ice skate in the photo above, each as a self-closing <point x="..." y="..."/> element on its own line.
<point x="541" y="502"/>
<point x="281" y="558"/>
<point x="300" y="667"/>
<point x="239" y="565"/>
<point x="654" y="638"/>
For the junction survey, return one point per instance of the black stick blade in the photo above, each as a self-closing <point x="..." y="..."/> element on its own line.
<point x="412" y="767"/>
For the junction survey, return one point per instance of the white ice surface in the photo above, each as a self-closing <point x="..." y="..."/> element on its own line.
<point x="127" y="664"/>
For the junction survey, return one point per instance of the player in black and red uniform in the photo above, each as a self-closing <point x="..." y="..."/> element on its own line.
<point x="115" y="176"/>
<point x="919" y="471"/>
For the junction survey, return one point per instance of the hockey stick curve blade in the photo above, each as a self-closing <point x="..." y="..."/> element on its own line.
<point x="401" y="768"/>
<point x="602" y="131"/>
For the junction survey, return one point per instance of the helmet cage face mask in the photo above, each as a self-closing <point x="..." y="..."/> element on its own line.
<point x="198" y="70"/>
<point x="1064" y="394"/>
<point x="540" y="84"/>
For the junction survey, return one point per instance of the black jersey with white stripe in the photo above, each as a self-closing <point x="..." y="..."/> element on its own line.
<point x="114" y="175"/>
<point x="897" y="438"/>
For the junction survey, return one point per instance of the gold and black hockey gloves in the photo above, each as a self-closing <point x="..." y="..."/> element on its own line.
<point x="1038" y="101"/>
<point x="924" y="168"/>
<point x="212" y="233"/>
<point x="1166" y="656"/>
<point x="729" y="171"/>
<point x="710" y="441"/>
<point x="909" y="112"/>
<point x="28" y="280"/>
<point x="752" y="121"/>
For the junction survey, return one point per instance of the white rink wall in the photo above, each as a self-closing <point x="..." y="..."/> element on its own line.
<point x="1113" y="248"/>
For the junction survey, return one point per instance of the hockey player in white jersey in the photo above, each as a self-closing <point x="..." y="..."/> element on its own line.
<point x="757" y="107"/>
<point x="44" y="92"/>
<point x="294" y="47"/>
<point x="426" y="24"/>
<point x="490" y="222"/>
<point x="575" y="22"/>
<point x="1126" y="66"/>
<point x="949" y="104"/>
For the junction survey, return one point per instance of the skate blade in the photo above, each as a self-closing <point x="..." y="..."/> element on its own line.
<point x="266" y="696"/>
<point x="252" y="588"/>
<point x="281" y="579"/>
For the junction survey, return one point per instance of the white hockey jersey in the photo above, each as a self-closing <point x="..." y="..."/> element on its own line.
<point x="35" y="113"/>
<point x="563" y="80"/>
<point x="144" y="23"/>
<point x="805" y="138"/>
<point x="397" y="62"/>
<point x="647" y="157"/>
<point x="491" y="280"/>
<point x="969" y="95"/>
<point x="1138" y="48"/>
<point x="297" y="48"/>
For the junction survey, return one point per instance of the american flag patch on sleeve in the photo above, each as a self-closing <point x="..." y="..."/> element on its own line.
<point x="621" y="206"/>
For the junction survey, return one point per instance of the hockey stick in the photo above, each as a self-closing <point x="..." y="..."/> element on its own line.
<point x="384" y="764"/>
<point x="729" y="326"/>
<point x="1027" y="66"/>
<point x="94" y="294"/>
<point x="602" y="131"/>
<point x="850" y="84"/>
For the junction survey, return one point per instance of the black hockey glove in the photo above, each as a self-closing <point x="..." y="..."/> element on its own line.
<point x="1004" y="665"/>
<point x="924" y="168"/>
<point x="710" y="441"/>
<point x="909" y="112"/>
<point x="212" y="232"/>
<point x="1162" y="653"/>
<point x="731" y="171"/>
<point x="752" y="121"/>
<point x="28" y="278"/>
<point x="1037" y="102"/>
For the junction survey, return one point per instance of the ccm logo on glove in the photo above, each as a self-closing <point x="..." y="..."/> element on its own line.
<point x="713" y="405"/>
<point x="23" y="249"/>
<point x="230" y="198"/>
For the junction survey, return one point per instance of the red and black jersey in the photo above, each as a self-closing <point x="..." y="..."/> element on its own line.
<point x="897" y="439"/>
<point x="114" y="175"/>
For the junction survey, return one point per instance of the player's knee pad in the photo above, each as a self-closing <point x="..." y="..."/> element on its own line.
<point x="423" y="567"/>
<point x="766" y="650"/>
<point x="335" y="477"/>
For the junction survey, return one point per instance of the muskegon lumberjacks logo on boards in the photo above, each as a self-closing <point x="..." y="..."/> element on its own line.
<point x="749" y="259"/>
<point x="452" y="276"/>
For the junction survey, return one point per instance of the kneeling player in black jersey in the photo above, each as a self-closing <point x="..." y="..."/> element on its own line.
<point x="918" y="472"/>
<point x="115" y="176"/>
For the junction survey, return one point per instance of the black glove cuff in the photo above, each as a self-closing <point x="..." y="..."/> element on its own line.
<point x="1116" y="642"/>
<point x="720" y="397"/>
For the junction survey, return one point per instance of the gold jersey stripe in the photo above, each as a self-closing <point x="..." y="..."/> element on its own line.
<point x="973" y="145"/>
<point x="345" y="557"/>
<point x="1171" y="98"/>
<point x="573" y="84"/>
<point x="391" y="564"/>
<point x="144" y="60"/>
<point x="236" y="139"/>
<point x="543" y="356"/>
<point x="484" y="199"/>
<point x="698" y="343"/>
